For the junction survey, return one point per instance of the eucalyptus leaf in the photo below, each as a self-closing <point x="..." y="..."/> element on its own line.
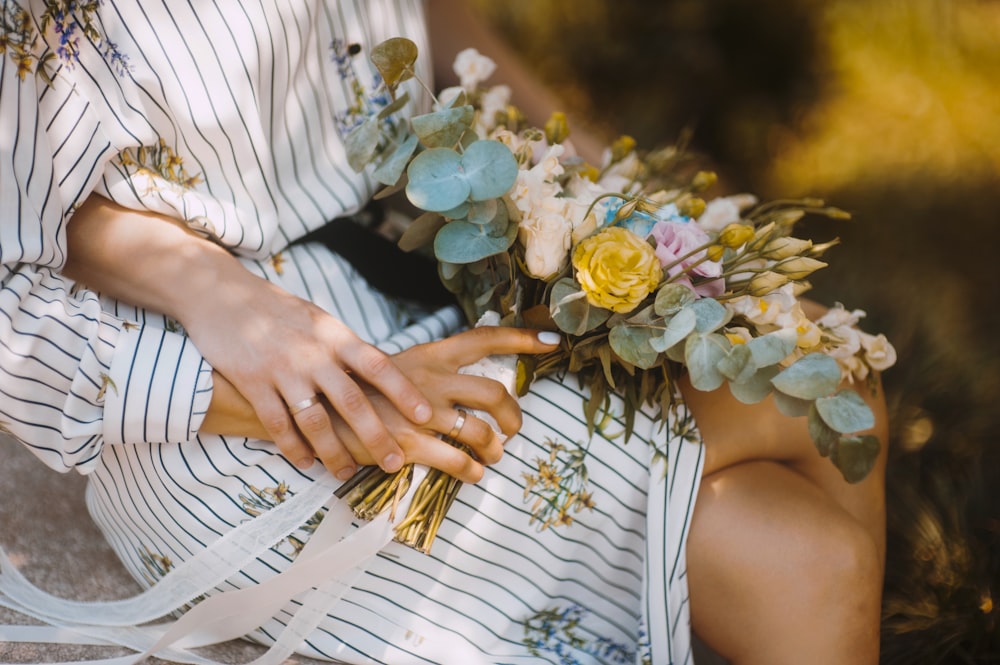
<point x="631" y="343"/>
<point x="421" y="231"/>
<point x="361" y="143"/>
<point x="738" y="364"/>
<point x="845" y="412"/>
<point x="711" y="314"/>
<point x="756" y="388"/>
<point x="461" y="211"/>
<point x="437" y="182"/>
<point x="678" y="327"/>
<point x="394" y="59"/>
<point x="772" y="348"/>
<point x="392" y="165"/>
<point x="490" y="168"/>
<point x="792" y="407"/>
<point x="461" y="242"/>
<point x="449" y="271"/>
<point x="483" y="212"/>
<point x="702" y="353"/>
<point x="672" y="297"/>
<point x="823" y="436"/>
<point x="813" y="376"/>
<point x="571" y="311"/>
<point x="443" y="129"/>
<point x="855" y="456"/>
<point x="396" y="105"/>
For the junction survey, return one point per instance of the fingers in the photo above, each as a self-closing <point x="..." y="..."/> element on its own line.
<point x="377" y="369"/>
<point x="471" y="345"/>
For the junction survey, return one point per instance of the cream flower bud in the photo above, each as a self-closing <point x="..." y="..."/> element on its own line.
<point x="799" y="267"/>
<point x="735" y="235"/>
<point x="766" y="282"/>
<point x="786" y="247"/>
<point x="546" y="241"/>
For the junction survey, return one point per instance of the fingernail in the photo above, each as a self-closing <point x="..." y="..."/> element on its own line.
<point x="548" y="337"/>
<point x="346" y="473"/>
<point x="392" y="462"/>
<point x="306" y="463"/>
<point x="422" y="413"/>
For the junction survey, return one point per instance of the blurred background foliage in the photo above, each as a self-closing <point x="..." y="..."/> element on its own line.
<point x="890" y="110"/>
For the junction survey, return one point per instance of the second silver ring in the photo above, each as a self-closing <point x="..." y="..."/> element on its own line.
<point x="457" y="427"/>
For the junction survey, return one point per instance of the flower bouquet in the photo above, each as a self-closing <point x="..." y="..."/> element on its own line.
<point x="643" y="278"/>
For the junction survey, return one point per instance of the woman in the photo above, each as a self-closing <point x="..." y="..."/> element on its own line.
<point x="165" y="333"/>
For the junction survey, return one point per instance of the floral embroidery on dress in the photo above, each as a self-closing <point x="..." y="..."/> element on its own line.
<point x="156" y="568"/>
<point x="157" y="163"/>
<point x="68" y="20"/>
<point x="256" y="501"/>
<point x="557" y="631"/>
<point x="366" y="101"/>
<point x="559" y="486"/>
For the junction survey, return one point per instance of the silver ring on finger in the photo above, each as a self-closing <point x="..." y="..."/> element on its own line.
<point x="304" y="404"/>
<point x="457" y="427"/>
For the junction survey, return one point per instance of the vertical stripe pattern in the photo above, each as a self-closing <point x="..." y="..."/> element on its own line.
<point x="230" y="117"/>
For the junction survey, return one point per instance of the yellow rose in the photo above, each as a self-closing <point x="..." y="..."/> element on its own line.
<point x="616" y="269"/>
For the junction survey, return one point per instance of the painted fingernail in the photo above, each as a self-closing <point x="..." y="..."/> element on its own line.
<point x="346" y="473"/>
<point x="422" y="413"/>
<point x="392" y="462"/>
<point x="306" y="463"/>
<point x="548" y="337"/>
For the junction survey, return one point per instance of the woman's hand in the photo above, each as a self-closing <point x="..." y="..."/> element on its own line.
<point x="275" y="349"/>
<point x="433" y="368"/>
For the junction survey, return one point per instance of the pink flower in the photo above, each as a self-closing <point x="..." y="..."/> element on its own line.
<point x="675" y="242"/>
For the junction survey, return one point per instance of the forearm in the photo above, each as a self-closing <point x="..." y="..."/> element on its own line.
<point x="154" y="262"/>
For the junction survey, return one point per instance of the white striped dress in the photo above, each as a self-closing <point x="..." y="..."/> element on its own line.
<point x="230" y="116"/>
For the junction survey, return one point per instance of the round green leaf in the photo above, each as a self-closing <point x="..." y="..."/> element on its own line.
<point x="755" y="388"/>
<point x="442" y="129"/>
<point x="571" y="311"/>
<point x="394" y="59"/>
<point x="631" y="343"/>
<point x="485" y="212"/>
<point x="823" y="436"/>
<point x="678" y="327"/>
<point x="738" y="364"/>
<point x="702" y="354"/>
<point x="810" y="377"/>
<point x="772" y="348"/>
<point x="436" y="180"/>
<point x="711" y="314"/>
<point x="845" y="412"/>
<point x="392" y="165"/>
<point x="672" y="297"/>
<point x="461" y="242"/>
<point x="793" y="407"/>
<point x="855" y="456"/>
<point x="490" y="168"/>
<point x="361" y="144"/>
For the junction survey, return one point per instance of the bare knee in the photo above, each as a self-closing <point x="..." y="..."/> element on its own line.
<point x="778" y="573"/>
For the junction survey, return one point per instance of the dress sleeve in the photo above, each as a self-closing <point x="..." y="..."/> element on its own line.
<point x="73" y="376"/>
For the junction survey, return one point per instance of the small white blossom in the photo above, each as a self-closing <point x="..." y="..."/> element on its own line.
<point x="879" y="353"/>
<point x="473" y="68"/>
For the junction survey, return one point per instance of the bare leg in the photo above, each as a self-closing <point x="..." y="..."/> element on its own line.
<point x="785" y="559"/>
<point x="780" y="573"/>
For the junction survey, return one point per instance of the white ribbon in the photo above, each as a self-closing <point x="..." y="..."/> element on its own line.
<point x="223" y="616"/>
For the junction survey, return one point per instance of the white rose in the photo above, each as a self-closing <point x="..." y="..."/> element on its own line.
<point x="723" y="211"/>
<point x="473" y="68"/>
<point x="546" y="241"/>
<point x="879" y="353"/>
<point x="621" y="176"/>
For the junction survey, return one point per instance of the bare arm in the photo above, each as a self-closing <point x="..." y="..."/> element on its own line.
<point x="269" y="348"/>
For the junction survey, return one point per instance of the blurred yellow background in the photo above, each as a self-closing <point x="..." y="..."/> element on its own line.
<point x="889" y="109"/>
